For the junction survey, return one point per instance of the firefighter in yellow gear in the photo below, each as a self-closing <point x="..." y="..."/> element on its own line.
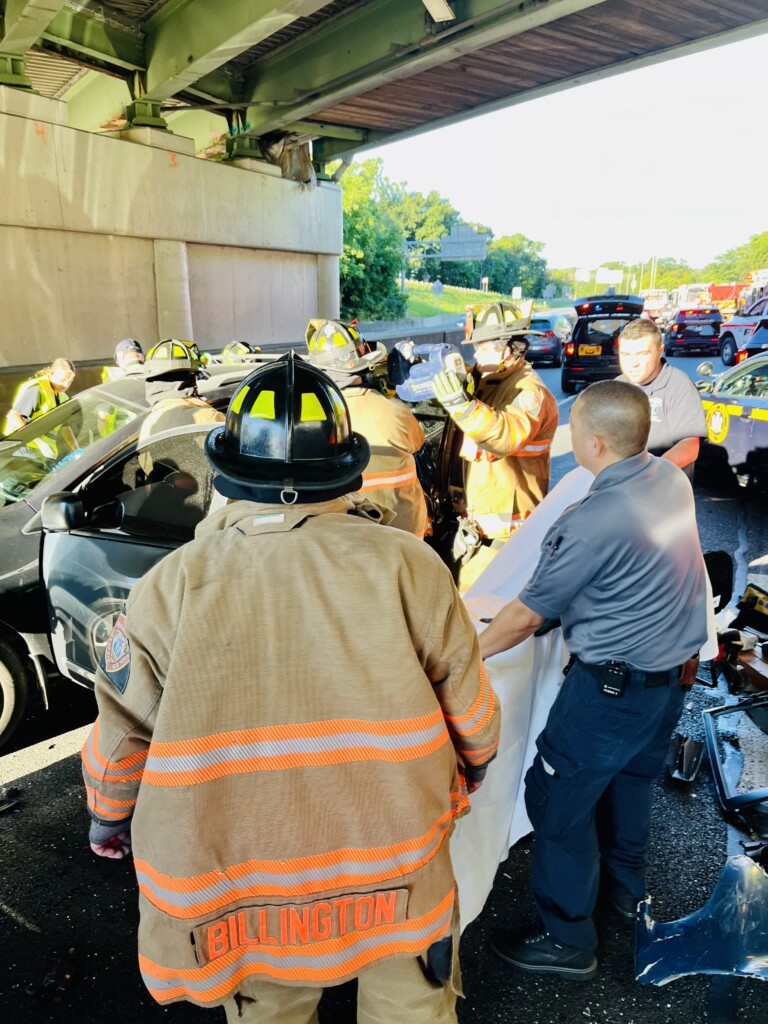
<point x="129" y="360"/>
<point x="389" y="426"/>
<point x="289" y="798"/>
<point x="39" y="394"/>
<point x="502" y="421"/>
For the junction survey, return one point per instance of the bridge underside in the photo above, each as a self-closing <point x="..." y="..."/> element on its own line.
<point x="346" y="74"/>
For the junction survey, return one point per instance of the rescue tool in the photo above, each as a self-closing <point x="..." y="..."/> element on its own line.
<point x="413" y="368"/>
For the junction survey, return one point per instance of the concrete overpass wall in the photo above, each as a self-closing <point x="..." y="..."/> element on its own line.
<point x="103" y="237"/>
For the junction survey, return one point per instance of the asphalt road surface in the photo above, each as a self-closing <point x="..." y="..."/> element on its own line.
<point x="68" y="919"/>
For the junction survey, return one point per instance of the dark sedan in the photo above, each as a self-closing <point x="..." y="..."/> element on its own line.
<point x="56" y="610"/>
<point x="736" y="407"/>
<point x="592" y="353"/>
<point x="694" y="330"/>
<point x="549" y="332"/>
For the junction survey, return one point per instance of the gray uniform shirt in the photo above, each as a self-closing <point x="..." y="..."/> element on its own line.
<point x="676" y="410"/>
<point x="623" y="569"/>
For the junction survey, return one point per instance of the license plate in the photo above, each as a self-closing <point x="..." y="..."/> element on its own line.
<point x="590" y="350"/>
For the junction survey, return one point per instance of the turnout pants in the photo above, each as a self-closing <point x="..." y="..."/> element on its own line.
<point x="588" y="794"/>
<point x="391" y="992"/>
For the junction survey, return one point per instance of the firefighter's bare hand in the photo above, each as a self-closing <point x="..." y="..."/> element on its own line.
<point x="449" y="390"/>
<point x="116" y="848"/>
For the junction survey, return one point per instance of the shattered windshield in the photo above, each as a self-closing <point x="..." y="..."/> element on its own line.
<point x="42" y="447"/>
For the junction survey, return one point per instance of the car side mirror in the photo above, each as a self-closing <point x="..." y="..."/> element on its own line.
<point x="705" y="369"/>
<point x="107" y="517"/>
<point x="62" y="512"/>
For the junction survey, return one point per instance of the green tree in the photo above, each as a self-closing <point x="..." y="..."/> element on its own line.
<point x="671" y="273"/>
<point x="421" y="219"/>
<point x="372" y="258"/>
<point x="735" y="264"/>
<point x="516" y="261"/>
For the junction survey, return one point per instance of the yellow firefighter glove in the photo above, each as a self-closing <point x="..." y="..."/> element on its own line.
<point x="452" y="394"/>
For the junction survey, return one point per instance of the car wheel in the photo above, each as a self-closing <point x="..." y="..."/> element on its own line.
<point x="557" y="359"/>
<point x="728" y="350"/>
<point x="566" y="384"/>
<point x="14" y="689"/>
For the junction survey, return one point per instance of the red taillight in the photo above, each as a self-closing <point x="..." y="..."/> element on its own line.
<point x="569" y="347"/>
<point x="675" y="327"/>
<point x="741" y="355"/>
<point x="550" y="334"/>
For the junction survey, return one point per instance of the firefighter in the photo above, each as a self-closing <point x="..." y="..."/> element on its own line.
<point x="39" y="394"/>
<point x="389" y="426"/>
<point x="171" y="373"/>
<point x="129" y="360"/>
<point x="294" y="800"/>
<point x="502" y="423"/>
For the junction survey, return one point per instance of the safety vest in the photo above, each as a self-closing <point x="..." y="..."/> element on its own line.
<point x="109" y="373"/>
<point x="47" y="399"/>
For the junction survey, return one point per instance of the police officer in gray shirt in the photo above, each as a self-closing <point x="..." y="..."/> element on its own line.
<point x="623" y="570"/>
<point x="677" y="415"/>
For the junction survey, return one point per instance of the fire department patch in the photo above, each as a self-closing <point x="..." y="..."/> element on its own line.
<point x="116" y="662"/>
<point x="529" y="402"/>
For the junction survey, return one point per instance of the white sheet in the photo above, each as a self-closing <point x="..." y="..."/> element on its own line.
<point x="526" y="680"/>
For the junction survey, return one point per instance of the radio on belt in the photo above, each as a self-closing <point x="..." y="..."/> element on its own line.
<point x="412" y="368"/>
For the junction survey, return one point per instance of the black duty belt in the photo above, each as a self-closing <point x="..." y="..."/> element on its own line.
<point x="648" y="679"/>
<point x="487" y="542"/>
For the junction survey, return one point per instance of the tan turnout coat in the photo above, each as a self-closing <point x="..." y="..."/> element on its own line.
<point x="506" y="448"/>
<point x="283" y="710"/>
<point x="395" y="435"/>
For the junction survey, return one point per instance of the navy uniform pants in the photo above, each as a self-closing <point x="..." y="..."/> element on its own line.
<point x="588" y="794"/>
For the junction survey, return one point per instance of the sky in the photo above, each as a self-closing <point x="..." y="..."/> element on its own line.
<point x="664" y="161"/>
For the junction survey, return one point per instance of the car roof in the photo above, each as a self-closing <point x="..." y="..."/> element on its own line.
<point x="609" y="305"/>
<point x="706" y="310"/>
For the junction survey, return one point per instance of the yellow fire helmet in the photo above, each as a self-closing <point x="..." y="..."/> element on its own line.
<point x="171" y="355"/>
<point x="336" y="345"/>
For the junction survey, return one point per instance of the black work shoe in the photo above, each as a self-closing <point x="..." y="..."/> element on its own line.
<point x="541" y="953"/>
<point x="623" y="902"/>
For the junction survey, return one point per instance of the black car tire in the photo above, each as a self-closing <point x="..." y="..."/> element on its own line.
<point x="728" y="349"/>
<point x="566" y="384"/>
<point x="557" y="359"/>
<point x="14" y="690"/>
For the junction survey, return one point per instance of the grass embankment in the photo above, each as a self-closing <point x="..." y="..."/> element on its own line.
<point x="421" y="302"/>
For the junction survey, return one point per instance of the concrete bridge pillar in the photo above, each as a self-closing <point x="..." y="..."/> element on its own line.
<point x="328" y="288"/>
<point x="174" y="307"/>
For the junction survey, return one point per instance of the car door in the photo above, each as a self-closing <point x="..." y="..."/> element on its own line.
<point x="164" y="488"/>
<point x="736" y="415"/>
<point x="742" y="331"/>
